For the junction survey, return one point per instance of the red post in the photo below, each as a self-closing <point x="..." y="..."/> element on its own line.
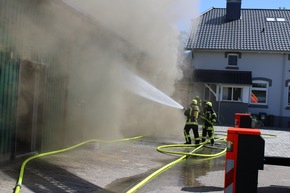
<point x="233" y="164"/>
<point x="243" y="120"/>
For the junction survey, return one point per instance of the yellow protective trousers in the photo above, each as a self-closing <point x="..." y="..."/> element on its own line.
<point x="187" y="136"/>
<point x="208" y="131"/>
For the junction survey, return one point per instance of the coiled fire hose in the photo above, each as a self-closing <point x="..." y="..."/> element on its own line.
<point x="150" y="177"/>
<point x="185" y="155"/>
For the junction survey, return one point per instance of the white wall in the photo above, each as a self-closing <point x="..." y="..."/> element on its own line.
<point x="274" y="66"/>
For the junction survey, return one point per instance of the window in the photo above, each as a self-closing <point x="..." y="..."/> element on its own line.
<point x="208" y="93"/>
<point x="288" y="102"/>
<point x="232" y="94"/>
<point x="275" y="19"/>
<point x="270" y="19"/>
<point x="232" y="60"/>
<point x="280" y="19"/>
<point x="259" y="92"/>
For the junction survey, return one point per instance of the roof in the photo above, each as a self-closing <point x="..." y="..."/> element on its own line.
<point x="222" y="76"/>
<point x="252" y="32"/>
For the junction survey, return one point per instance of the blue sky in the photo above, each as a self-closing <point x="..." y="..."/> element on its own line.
<point x="259" y="4"/>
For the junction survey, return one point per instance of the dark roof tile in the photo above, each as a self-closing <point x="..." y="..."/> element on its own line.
<point x="252" y="32"/>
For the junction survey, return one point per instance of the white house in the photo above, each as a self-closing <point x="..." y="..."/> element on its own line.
<point x="241" y="62"/>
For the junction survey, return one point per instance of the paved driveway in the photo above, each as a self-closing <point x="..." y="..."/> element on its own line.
<point x="119" y="166"/>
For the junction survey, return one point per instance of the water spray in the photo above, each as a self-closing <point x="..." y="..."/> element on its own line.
<point x="146" y="90"/>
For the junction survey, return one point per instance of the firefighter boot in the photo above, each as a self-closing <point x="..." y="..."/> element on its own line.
<point x="212" y="142"/>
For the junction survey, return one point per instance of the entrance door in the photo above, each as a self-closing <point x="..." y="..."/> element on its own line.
<point x="29" y="108"/>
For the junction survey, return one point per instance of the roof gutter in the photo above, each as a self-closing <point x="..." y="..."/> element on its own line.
<point x="239" y="50"/>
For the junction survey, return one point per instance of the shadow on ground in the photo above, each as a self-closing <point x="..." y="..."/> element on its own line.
<point x="202" y="189"/>
<point x="273" y="188"/>
<point x="41" y="176"/>
<point x="269" y="189"/>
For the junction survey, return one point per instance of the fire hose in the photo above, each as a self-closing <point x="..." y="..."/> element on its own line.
<point x="21" y="174"/>
<point x="138" y="186"/>
<point x="150" y="177"/>
<point x="185" y="155"/>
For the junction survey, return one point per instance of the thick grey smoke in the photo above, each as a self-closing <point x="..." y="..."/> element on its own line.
<point x="148" y="45"/>
<point x="151" y="27"/>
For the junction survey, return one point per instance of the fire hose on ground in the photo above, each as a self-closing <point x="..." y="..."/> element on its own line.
<point x="21" y="173"/>
<point x="185" y="155"/>
<point x="150" y="177"/>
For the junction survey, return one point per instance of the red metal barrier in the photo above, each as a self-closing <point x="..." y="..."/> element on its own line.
<point x="243" y="120"/>
<point x="237" y="167"/>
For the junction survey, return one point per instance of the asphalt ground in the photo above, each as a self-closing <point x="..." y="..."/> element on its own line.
<point x="119" y="166"/>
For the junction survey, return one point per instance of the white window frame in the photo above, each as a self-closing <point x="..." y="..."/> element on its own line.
<point x="232" y="93"/>
<point x="260" y="89"/>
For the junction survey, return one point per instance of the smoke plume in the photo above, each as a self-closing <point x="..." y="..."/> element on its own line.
<point x="148" y="46"/>
<point x="150" y="26"/>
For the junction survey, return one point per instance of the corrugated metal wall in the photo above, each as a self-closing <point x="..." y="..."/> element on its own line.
<point x="54" y="115"/>
<point x="9" y="67"/>
<point x="42" y="51"/>
<point x="8" y="98"/>
<point x="47" y="120"/>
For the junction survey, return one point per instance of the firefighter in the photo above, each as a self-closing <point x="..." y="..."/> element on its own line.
<point x="191" y="114"/>
<point x="199" y="101"/>
<point x="209" y="119"/>
<point x="200" y="105"/>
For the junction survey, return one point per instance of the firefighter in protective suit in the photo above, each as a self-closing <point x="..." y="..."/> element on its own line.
<point x="209" y="119"/>
<point x="191" y="114"/>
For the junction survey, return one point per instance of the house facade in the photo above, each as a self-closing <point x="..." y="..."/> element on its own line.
<point x="241" y="62"/>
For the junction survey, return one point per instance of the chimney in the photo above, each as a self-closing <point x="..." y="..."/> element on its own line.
<point x="233" y="10"/>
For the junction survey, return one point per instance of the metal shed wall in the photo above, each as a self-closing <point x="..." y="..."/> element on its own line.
<point x="16" y="48"/>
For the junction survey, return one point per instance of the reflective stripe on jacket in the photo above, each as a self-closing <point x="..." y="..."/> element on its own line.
<point x="209" y="117"/>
